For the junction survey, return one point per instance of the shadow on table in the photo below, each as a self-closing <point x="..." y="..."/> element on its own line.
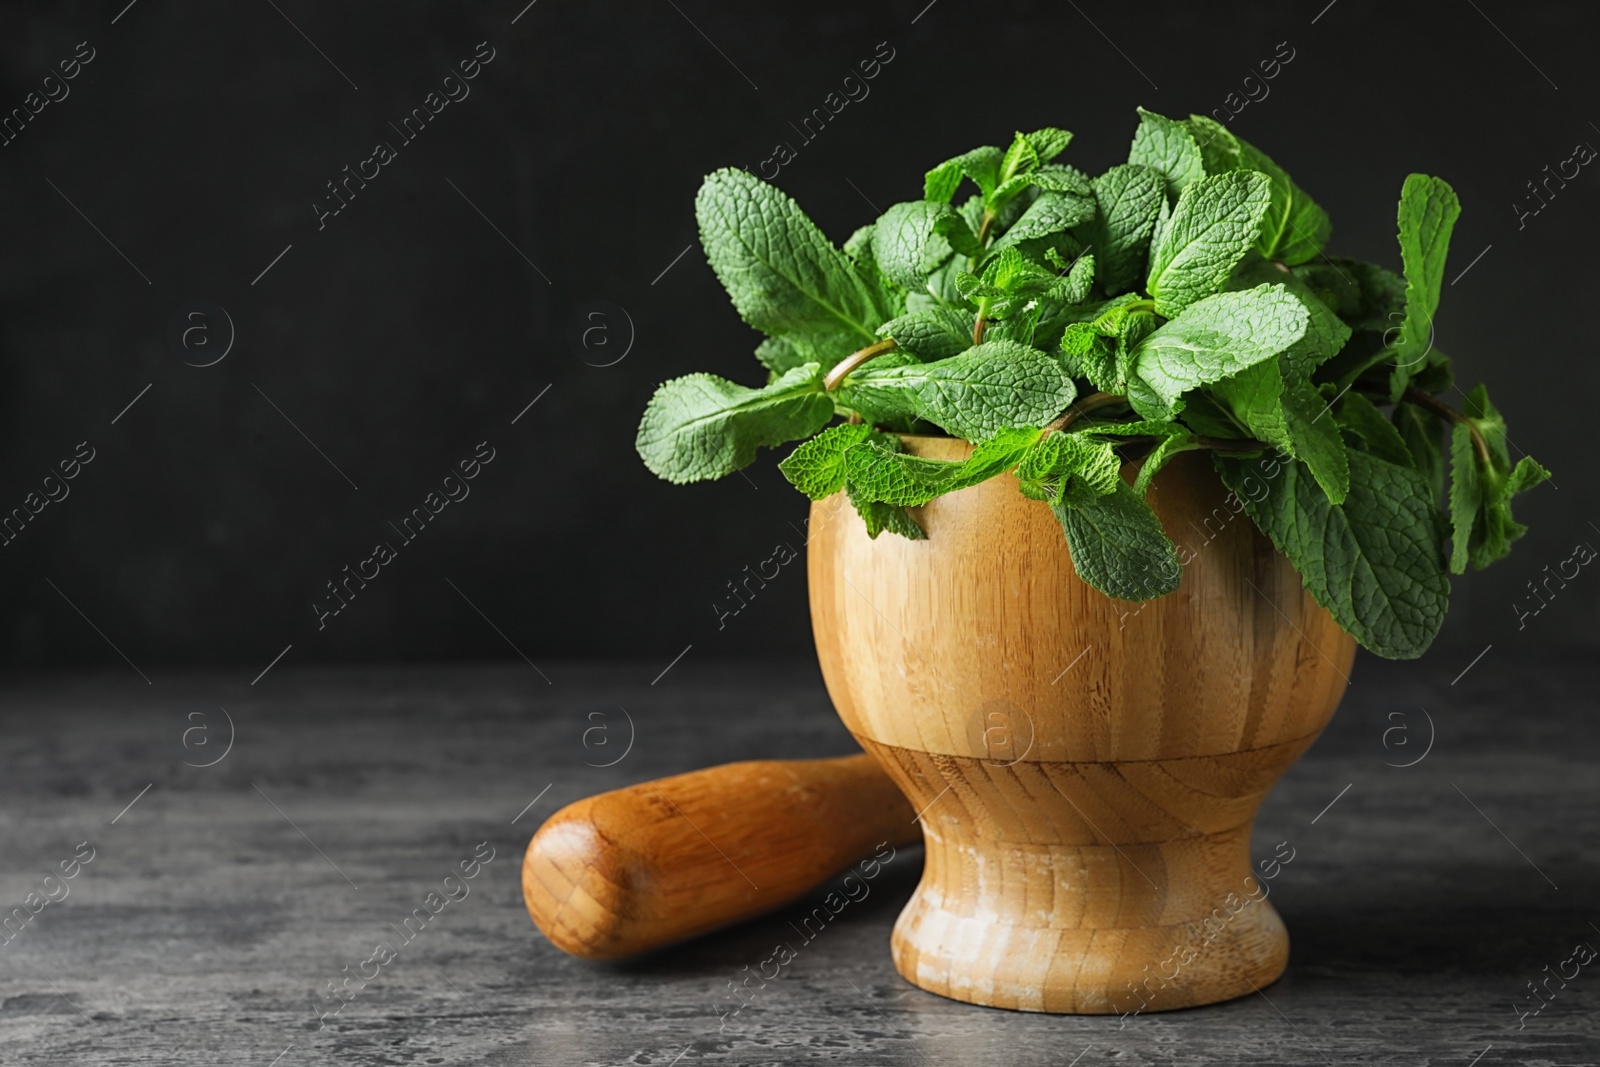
<point x="868" y="918"/>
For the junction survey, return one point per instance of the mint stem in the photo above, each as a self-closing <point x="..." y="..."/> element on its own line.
<point x="1445" y="411"/>
<point x="1081" y="408"/>
<point x="849" y="363"/>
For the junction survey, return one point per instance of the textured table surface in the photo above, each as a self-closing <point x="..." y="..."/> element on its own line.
<point x="219" y="905"/>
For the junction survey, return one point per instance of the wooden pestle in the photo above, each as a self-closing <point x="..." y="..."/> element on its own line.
<point x="637" y="868"/>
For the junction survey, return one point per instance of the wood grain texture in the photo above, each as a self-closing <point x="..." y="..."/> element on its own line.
<point x="1087" y="769"/>
<point x="638" y="868"/>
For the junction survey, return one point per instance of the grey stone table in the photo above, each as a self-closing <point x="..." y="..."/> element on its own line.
<point x="218" y="902"/>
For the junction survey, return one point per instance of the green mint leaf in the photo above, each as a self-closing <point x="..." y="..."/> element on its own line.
<point x="1365" y="295"/>
<point x="816" y="467"/>
<point x="974" y="395"/>
<point x="894" y="477"/>
<point x="1009" y="282"/>
<point x="1051" y="213"/>
<point x="982" y="165"/>
<point x="1326" y="334"/>
<point x="878" y="517"/>
<point x="1499" y="528"/>
<point x="1074" y="286"/>
<point x="858" y="246"/>
<point x="1128" y="428"/>
<point x="1048" y="143"/>
<point x="1420" y="429"/>
<point x="1375" y="561"/>
<point x="1212" y="227"/>
<point x="1255" y="398"/>
<point x="906" y="244"/>
<point x="1118" y="545"/>
<point x="1168" y="146"/>
<point x="1285" y="410"/>
<point x="1169" y="446"/>
<point x="1069" y="468"/>
<point x="1128" y="198"/>
<point x="1058" y="178"/>
<point x="1219" y="149"/>
<point x="1214" y="338"/>
<point x="1087" y="354"/>
<point x="1490" y="423"/>
<point x="1204" y="415"/>
<point x="788" y="351"/>
<point x="1481" y="491"/>
<point x="784" y="276"/>
<point x="931" y="335"/>
<point x="1428" y="212"/>
<point x="1019" y="159"/>
<point x="1357" y="413"/>
<point x="886" y="294"/>
<point x="954" y="228"/>
<point x="1314" y="438"/>
<point x="1436" y="375"/>
<point x="1466" y="496"/>
<point x="702" y="426"/>
<point x="1294" y="229"/>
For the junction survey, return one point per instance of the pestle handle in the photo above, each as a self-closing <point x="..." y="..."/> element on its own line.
<point x="641" y="867"/>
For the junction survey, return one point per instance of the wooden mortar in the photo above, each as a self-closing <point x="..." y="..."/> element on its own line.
<point x="1087" y="770"/>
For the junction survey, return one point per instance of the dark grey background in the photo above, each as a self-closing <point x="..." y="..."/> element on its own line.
<point x="408" y="330"/>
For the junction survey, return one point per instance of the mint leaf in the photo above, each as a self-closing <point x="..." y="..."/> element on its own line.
<point x="894" y="477"/>
<point x="788" y="351"/>
<point x="1361" y="415"/>
<point x="1294" y="229"/>
<point x="1375" y="561"/>
<point x="816" y="467"/>
<point x="1166" y="145"/>
<point x="953" y="228"/>
<point x="1118" y="545"/>
<point x="1481" y="488"/>
<point x="1074" y="287"/>
<point x="1419" y="428"/>
<point x="1159" y="456"/>
<point x="1020" y="158"/>
<point x="1365" y="295"/>
<point x="1128" y="198"/>
<point x="1047" y="143"/>
<point x="1069" y="468"/>
<point x="906" y="244"/>
<point x="784" y="276"/>
<point x="878" y="517"/>
<point x="1085" y="353"/>
<point x="982" y="165"/>
<point x="1428" y="212"/>
<point x="1214" y="338"/>
<point x="1325" y="334"/>
<point x="975" y="395"/>
<point x="701" y="426"/>
<point x="885" y="293"/>
<point x="931" y="335"/>
<point x="1219" y="149"/>
<point x="1212" y="227"/>
<point x="1050" y="213"/>
<point x="1057" y="178"/>
<point x="1499" y="528"/>
<point x="1285" y="410"/>
<point x="1314" y="438"/>
<point x="1466" y="496"/>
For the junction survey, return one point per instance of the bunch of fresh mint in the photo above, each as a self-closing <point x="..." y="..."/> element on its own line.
<point x="1065" y="325"/>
